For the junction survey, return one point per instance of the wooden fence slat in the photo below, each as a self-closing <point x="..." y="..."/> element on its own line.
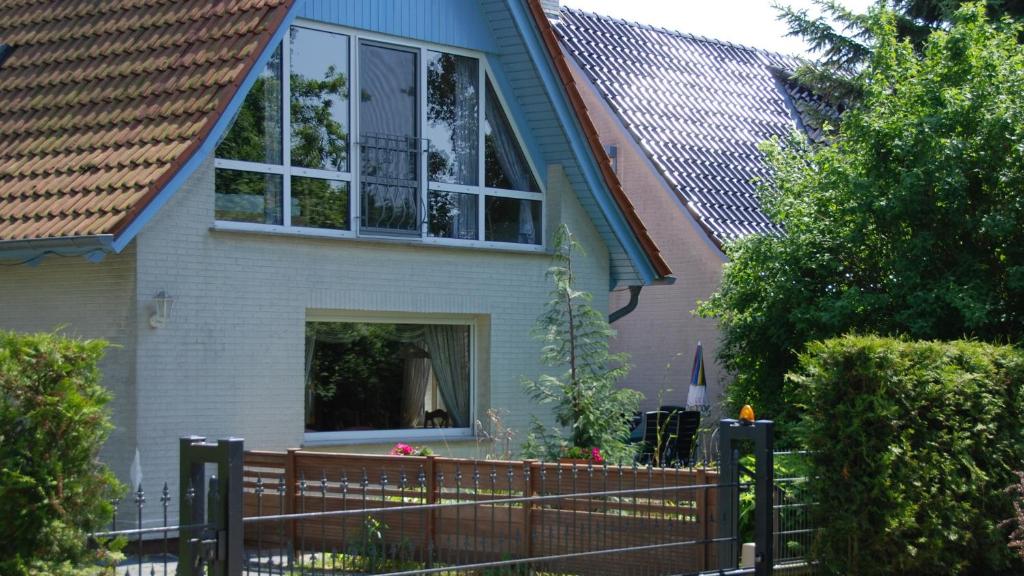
<point x="677" y="509"/>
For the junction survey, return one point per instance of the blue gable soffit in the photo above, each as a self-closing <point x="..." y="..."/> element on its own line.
<point x="577" y="140"/>
<point x="450" y="22"/>
<point x="206" y="148"/>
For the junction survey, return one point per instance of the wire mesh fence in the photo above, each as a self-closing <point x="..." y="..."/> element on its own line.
<point x="793" y="530"/>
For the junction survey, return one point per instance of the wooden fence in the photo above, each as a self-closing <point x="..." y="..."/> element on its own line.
<point x="659" y="520"/>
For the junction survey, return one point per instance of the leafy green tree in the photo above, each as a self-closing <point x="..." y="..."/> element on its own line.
<point x="53" y="421"/>
<point x="844" y="40"/>
<point x="586" y="399"/>
<point x="910" y="222"/>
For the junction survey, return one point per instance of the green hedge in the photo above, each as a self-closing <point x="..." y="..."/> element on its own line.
<point x="53" y="421"/>
<point x="913" y="446"/>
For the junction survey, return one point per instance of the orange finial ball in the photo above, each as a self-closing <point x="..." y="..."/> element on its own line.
<point x="746" y="413"/>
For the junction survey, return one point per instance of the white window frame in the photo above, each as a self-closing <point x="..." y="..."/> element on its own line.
<point x="352" y="177"/>
<point x="407" y="434"/>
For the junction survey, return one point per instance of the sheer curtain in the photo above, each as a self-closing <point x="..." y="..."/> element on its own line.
<point x="448" y="347"/>
<point x="416" y="378"/>
<point x="465" y="128"/>
<point x="512" y="163"/>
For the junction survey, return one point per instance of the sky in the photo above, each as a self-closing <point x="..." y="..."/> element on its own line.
<point x="747" y="22"/>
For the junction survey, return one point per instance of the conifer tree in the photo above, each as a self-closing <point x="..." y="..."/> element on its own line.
<point x="587" y="402"/>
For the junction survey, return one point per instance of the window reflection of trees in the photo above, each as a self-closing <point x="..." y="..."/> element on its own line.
<point x="452" y="118"/>
<point x="318" y="139"/>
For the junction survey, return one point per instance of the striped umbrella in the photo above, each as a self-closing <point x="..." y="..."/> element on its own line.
<point x="697" y="396"/>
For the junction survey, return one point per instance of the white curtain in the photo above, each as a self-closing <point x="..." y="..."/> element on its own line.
<point x="465" y="129"/>
<point x="416" y="378"/>
<point x="510" y="159"/>
<point x="448" y="347"/>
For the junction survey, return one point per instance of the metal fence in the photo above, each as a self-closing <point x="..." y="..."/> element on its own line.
<point x="793" y="531"/>
<point x="300" y="513"/>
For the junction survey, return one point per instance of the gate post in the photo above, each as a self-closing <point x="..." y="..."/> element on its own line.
<point x="761" y="434"/>
<point x="219" y="543"/>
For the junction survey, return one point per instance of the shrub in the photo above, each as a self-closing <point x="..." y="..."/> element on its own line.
<point x="913" y="444"/>
<point x="53" y="421"/>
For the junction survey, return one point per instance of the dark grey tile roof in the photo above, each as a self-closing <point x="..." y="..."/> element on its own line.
<point x="698" y="107"/>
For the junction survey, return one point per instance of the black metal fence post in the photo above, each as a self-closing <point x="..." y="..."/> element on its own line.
<point x="760" y="433"/>
<point x="220" y="543"/>
<point x="764" y="540"/>
<point x="728" y="498"/>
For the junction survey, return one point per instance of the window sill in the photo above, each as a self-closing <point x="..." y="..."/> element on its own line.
<point x="347" y="235"/>
<point x="386" y="436"/>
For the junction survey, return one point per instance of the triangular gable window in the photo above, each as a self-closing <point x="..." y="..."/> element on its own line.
<point x="437" y="161"/>
<point x="505" y="164"/>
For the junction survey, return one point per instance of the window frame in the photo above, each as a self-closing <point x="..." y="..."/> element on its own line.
<point x="353" y="178"/>
<point x="400" y="434"/>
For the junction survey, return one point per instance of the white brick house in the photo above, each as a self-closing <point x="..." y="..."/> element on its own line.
<point x="255" y="262"/>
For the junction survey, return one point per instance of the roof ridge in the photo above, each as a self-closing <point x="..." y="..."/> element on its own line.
<point x="679" y="33"/>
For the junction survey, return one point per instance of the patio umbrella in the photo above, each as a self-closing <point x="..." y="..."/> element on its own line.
<point x="697" y="396"/>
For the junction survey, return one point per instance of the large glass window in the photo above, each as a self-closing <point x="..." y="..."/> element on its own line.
<point x="248" y="196"/>
<point x="255" y="134"/>
<point x="505" y="164"/>
<point x="390" y="147"/>
<point x="453" y="125"/>
<point x="319" y="100"/>
<point x="376" y="376"/>
<point x="427" y="150"/>
<point x="513" y="220"/>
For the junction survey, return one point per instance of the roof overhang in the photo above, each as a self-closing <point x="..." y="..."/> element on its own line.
<point x="630" y="231"/>
<point x="32" y="252"/>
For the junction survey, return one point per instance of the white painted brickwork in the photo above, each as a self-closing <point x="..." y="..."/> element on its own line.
<point x="87" y="300"/>
<point x="230" y="359"/>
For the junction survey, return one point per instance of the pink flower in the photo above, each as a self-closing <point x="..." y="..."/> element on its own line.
<point x="401" y="449"/>
<point x="595" y="455"/>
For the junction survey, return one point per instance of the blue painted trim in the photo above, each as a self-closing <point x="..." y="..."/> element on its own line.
<point x="459" y="23"/>
<point x="588" y="165"/>
<point x="208" y="145"/>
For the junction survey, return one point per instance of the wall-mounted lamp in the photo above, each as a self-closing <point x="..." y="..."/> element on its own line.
<point x="162" y="303"/>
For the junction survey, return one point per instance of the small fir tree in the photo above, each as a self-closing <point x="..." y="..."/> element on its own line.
<point x="586" y="400"/>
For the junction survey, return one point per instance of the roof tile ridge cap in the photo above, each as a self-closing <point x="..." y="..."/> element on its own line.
<point x="558" y="59"/>
<point x="272" y="18"/>
<point x="680" y="33"/>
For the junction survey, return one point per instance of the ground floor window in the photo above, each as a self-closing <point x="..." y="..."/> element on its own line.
<point x="373" y="376"/>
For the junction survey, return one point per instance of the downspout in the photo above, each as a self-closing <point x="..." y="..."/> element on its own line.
<point x="634" y="299"/>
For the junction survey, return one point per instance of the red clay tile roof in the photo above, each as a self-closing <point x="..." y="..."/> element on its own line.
<point x="590" y="131"/>
<point x="102" y="102"/>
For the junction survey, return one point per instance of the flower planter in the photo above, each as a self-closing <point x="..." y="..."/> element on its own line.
<point x="576" y="461"/>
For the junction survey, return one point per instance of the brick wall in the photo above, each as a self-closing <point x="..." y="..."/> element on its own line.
<point x="662" y="333"/>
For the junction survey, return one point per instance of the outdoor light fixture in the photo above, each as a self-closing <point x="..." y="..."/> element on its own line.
<point x="163" y="304"/>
